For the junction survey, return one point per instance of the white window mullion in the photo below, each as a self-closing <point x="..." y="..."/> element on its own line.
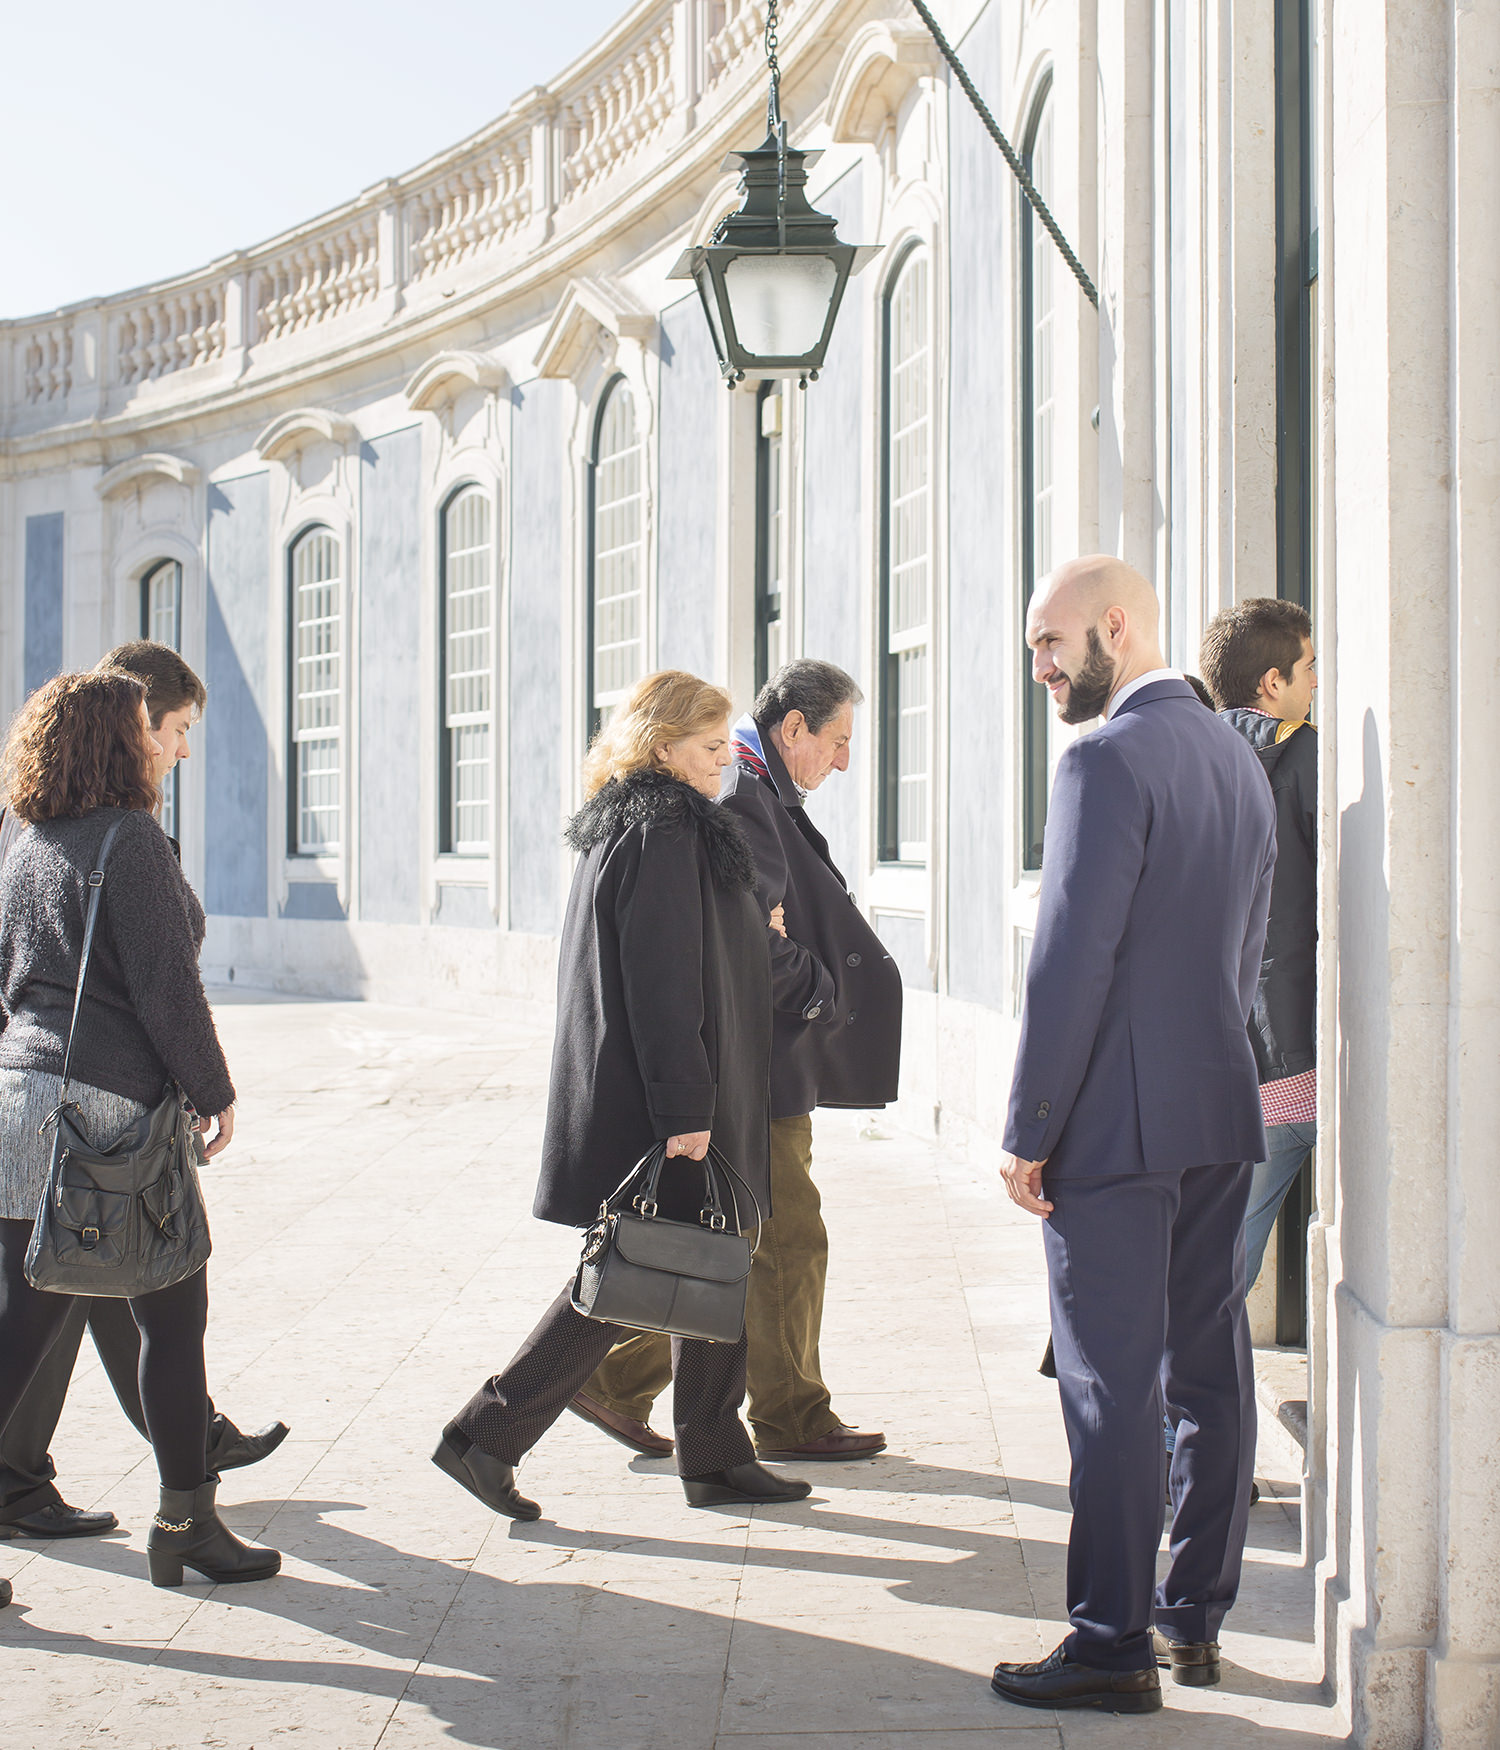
<point x="618" y="629"/>
<point x="468" y="621"/>
<point x="317" y="693"/>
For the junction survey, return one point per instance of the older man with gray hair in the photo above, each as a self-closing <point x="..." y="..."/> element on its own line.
<point x="836" y="1042"/>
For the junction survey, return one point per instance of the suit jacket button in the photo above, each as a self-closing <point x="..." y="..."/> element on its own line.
<point x="853" y="959"/>
<point x="812" y="1013"/>
<point x="850" y="1021"/>
<point x="1043" y="1108"/>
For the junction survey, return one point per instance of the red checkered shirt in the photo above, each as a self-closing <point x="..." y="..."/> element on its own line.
<point x="1293" y="1100"/>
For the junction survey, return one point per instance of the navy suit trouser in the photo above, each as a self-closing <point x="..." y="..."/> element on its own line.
<point x="1148" y="1312"/>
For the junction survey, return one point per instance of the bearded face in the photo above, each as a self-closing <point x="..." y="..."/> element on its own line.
<point x="1088" y="687"/>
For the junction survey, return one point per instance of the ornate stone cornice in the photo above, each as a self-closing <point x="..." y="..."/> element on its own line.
<point x="449" y="374"/>
<point x="590" y="307"/>
<point x="306" y="425"/>
<point x="153" y="465"/>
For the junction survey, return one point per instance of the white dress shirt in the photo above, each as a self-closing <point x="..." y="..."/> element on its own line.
<point x="1145" y="680"/>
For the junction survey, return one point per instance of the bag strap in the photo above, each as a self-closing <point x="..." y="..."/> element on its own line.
<point x="96" y="889"/>
<point x="649" y="1168"/>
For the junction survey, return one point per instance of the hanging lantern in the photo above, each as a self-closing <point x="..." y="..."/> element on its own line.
<point x="773" y="274"/>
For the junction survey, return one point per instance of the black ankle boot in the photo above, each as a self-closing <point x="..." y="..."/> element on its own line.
<point x="487" y="1479"/>
<point x="188" y="1532"/>
<point x="229" y="1449"/>
<point x="743" y="1482"/>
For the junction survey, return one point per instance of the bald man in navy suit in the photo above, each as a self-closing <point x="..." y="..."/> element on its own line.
<point x="1134" y="1119"/>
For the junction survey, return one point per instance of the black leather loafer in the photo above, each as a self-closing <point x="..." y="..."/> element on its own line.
<point x="486" y="1478"/>
<point x="1060" y="1682"/>
<point x="228" y="1449"/>
<point x="741" y="1483"/>
<point x="58" y="1519"/>
<point x="1194" y="1664"/>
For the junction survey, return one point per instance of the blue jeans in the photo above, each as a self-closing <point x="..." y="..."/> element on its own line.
<point x="1288" y="1145"/>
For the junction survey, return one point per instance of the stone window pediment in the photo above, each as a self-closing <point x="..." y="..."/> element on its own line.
<point x="143" y="470"/>
<point x="592" y="318"/>
<point x="446" y="376"/>
<point x="285" y="437"/>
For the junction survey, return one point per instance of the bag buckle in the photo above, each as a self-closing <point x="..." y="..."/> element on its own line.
<point x="96" y="878"/>
<point x="89" y="1238"/>
<point x="711" y="1218"/>
<point x="644" y="1206"/>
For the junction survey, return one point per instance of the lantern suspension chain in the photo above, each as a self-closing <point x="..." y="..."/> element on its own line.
<point x="775" y="124"/>
<point x="992" y="127"/>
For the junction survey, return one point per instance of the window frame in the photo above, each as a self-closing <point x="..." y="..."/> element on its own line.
<point x="337" y="850"/>
<point x="888" y="762"/>
<point x="770" y="530"/>
<point x="617" y="382"/>
<point x="448" y="844"/>
<point x="1035" y="726"/>
<point x="171" y="791"/>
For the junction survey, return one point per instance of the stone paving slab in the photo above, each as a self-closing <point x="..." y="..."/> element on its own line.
<point x="374" y="1258"/>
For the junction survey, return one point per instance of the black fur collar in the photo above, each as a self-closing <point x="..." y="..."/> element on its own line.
<point x="651" y="798"/>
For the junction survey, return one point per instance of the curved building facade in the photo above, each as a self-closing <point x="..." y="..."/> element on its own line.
<point x="423" y="485"/>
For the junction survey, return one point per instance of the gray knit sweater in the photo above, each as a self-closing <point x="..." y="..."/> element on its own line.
<point x="145" y="1016"/>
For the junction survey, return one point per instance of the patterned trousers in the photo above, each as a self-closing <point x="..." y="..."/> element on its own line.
<point x="513" y="1409"/>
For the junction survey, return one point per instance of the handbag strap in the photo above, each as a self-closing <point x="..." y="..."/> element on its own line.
<point x="649" y="1167"/>
<point x="96" y="889"/>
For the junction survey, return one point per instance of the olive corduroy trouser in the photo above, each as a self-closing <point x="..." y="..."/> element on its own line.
<point x="788" y="1401"/>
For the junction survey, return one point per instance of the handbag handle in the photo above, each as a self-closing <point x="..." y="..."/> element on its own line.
<point x="712" y="1214"/>
<point x="96" y="889"/>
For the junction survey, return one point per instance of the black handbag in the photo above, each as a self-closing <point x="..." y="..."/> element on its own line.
<point x="129" y="1219"/>
<point x="641" y="1270"/>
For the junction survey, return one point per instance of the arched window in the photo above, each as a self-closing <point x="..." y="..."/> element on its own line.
<point x="1038" y="265"/>
<point x="161" y="622"/>
<point x="468" y="620"/>
<point x="317" y="698"/>
<point x="906" y="566"/>
<point x="617" y="592"/>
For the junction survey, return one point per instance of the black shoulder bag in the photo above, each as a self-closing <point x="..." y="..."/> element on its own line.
<point x="126" y="1220"/>
<point x="643" y="1271"/>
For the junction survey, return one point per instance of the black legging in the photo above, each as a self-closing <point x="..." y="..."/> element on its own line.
<point x="174" y="1388"/>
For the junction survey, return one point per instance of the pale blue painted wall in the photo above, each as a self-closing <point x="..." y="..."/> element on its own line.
<point x="832" y="512"/>
<point x="390" y="638"/>
<point x="235" y="749"/>
<point x="42" y="652"/>
<point x="537" y="694"/>
<point x="688" y="483"/>
<point x="981" y="538"/>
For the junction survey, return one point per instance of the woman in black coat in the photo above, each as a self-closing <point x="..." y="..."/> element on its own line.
<point x="663" y="1035"/>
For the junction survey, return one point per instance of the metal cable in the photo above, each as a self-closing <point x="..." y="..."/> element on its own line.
<point x="992" y="127"/>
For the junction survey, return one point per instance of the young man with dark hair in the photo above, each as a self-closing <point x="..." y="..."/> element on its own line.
<point x="1258" y="660"/>
<point x="30" y="1505"/>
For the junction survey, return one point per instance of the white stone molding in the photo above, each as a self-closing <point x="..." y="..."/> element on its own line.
<point x="448" y="375"/>
<point x="593" y="316"/>
<point x="292" y="432"/>
<point x="882" y="63"/>
<point x="154" y="465"/>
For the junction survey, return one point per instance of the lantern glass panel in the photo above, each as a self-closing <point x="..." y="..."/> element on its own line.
<point x="780" y="303"/>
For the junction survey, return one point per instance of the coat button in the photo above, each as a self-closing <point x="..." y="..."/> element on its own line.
<point x="850" y="1021"/>
<point x="812" y="1013"/>
<point x="853" y="959"/>
<point x="1043" y="1108"/>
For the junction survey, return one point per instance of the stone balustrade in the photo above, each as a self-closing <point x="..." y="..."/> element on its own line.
<point x="547" y="166"/>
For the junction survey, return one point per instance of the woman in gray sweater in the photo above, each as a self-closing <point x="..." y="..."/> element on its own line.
<point x="78" y="760"/>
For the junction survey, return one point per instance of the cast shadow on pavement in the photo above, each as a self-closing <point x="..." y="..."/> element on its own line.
<point x="549" y="1663"/>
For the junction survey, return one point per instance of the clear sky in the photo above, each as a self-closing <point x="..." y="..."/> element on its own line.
<point x="140" y="141"/>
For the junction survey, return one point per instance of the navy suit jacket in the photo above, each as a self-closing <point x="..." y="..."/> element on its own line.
<point x="1161" y="841"/>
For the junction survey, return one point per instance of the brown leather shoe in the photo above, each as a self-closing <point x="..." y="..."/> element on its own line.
<point x="638" y="1436"/>
<point x="843" y="1443"/>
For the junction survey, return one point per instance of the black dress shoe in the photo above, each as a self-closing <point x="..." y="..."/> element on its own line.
<point x="1058" y="1681"/>
<point x="5" y="1593"/>
<point x="58" y="1519"/>
<point x="742" y="1482"/>
<point x="228" y="1449"/>
<point x="486" y="1478"/>
<point x="1194" y="1664"/>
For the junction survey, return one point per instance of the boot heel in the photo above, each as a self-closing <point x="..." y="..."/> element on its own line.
<point x="165" y="1566"/>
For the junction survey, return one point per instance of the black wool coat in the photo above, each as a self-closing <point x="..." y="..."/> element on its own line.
<point x="1283" y="1025"/>
<point x="837" y="1037"/>
<point x="663" y="1001"/>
